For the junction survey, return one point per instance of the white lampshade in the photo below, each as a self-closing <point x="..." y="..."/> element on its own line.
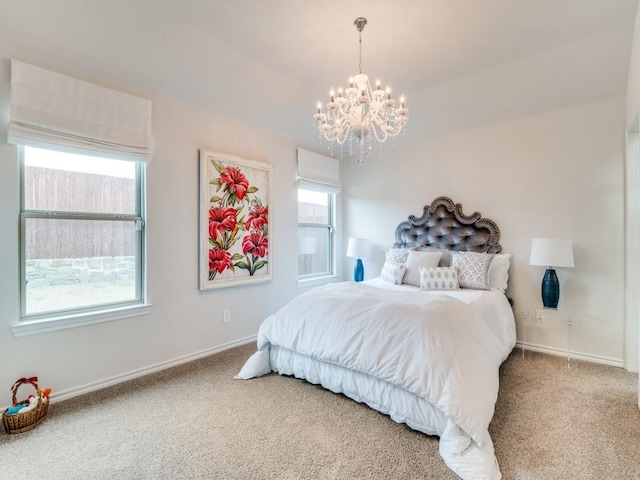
<point x="358" y="247"/>
<point x="551" y="252"/>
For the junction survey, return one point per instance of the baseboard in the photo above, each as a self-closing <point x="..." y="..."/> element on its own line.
<point x="614" y="362"/>
<point x="107" y="382"/>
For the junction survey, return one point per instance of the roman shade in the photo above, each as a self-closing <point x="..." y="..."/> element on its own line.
<point x="57" y="112"/>
<point x="318" y="172"/>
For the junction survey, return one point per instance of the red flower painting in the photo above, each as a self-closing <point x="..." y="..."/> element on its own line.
<point x="238" y="223"/>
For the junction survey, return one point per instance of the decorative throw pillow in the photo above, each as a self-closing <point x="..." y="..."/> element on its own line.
<point x="417" y="260"/>
<point x="499" y="271"/>
<point x="393" y="272"/>
<point x="398" y="255"/>
<point x="439" y="278"/>
<point x="445" y="260"/>
<point x="473" y="269"/>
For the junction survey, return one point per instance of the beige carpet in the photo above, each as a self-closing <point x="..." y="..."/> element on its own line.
<point x="195" y="422"/>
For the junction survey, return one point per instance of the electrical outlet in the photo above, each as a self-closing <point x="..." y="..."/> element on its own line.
<point x="524" y="315"/>
<point x="539" y="316"/>
<point x="226" y="315"/>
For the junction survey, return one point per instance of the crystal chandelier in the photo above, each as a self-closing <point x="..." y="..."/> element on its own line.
<point x="361" y="115"/>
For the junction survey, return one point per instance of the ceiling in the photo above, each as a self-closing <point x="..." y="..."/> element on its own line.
<point x="459" y="63"/>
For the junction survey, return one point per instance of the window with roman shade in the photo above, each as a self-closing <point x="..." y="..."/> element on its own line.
<point x="83" y="149"/>
<point x="318" y="183"/>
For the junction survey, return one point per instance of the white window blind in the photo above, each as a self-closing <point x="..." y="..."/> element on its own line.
<point x="318" y="172"/>
<point x="57" y="112"/>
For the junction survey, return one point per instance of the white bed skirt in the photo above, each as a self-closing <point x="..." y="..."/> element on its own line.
<point x="401" y="405"/>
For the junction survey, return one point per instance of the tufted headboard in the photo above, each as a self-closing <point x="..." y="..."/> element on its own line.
<point x="443" y="225"/>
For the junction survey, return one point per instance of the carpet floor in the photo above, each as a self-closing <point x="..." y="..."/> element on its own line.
<point x="195" y="421"/>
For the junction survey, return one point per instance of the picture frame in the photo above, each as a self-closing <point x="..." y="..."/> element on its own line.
<point x="235" y="239"/>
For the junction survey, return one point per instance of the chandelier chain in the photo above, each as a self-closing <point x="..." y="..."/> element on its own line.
<point x="360" y="61"/>
<point x="360" y="22"/>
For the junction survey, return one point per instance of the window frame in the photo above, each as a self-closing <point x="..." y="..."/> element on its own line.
<point x="330" y="274"/>
<point x="76" y="316"/>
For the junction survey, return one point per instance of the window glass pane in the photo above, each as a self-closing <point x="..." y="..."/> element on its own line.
<point x="313" y="250"/>
<point x="78" y="263"/>
<point x="77" y="183"/>
<point x="313" y="207"/>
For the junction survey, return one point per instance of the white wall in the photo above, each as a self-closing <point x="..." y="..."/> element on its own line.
<point x="553" y="175"/>
<point x="632" y="246"/>
<point x="633" y="202"/>
<point x="183" y="321"/>
<point x="633" y="84"/>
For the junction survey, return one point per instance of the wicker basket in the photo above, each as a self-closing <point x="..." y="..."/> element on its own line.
<point x="22" y="422"/>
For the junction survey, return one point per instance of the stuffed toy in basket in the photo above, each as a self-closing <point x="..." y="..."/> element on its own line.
<point x="29" y="413"/>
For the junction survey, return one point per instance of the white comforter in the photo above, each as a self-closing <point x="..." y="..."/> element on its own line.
<point x="436" y="347"/>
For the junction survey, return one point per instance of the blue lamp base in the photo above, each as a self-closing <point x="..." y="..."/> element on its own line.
<point x="550" y="289"/>
<point x="358" y="271"/>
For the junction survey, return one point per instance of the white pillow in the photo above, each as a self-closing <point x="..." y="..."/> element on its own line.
<point x="393" y="272"/>
<point x="417" y="260"/>
<point x="445" y="260"/>
<point x="473" y="269"/>
<point x="397" y="255"/>
<point x="439" y="278"/>
<point x="499" y="271"/>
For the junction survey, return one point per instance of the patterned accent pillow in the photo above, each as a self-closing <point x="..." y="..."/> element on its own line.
<point x="417" y="260"/>
<point x="398" y="255"/>
<point x="439" y="278"/>
<point x="473" y="269"/>
<point x="393" y="272"/>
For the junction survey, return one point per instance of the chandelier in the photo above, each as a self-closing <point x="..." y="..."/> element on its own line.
<point x="360" y="115"/>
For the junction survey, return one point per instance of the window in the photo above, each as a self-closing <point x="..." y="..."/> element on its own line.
<point x="315" y="234"/>
<point x="83" y="150"/>
<point x="318" y="183"/>
<point x="81" y="242"/>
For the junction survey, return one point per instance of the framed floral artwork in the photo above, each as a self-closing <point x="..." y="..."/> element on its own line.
<point x="235" y="199"/>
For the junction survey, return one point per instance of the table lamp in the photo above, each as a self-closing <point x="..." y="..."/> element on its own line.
<point x="358" y="248"/>
<point x="551" y="252"/>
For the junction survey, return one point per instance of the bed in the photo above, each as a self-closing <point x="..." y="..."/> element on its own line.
<point x="411" y="343"/>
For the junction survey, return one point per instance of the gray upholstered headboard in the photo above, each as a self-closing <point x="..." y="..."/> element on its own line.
<point x="443" y="225"/>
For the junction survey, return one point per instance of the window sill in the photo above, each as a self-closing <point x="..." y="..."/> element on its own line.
<point x="312" y="282"/>
<point x="63" y="322"/>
